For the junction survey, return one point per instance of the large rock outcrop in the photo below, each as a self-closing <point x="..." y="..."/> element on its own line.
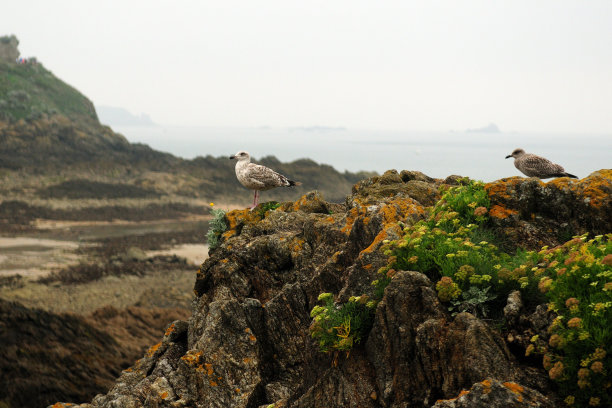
<point x="247" y="343"/>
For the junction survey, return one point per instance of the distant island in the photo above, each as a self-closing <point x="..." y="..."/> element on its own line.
<point x="318" y="129"/>
<point x="114" y="116"/>
<point x="490" y="128"/>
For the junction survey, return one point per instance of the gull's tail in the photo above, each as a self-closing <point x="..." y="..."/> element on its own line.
<point x="294" y="183"/>
<point x="565" y="175"/>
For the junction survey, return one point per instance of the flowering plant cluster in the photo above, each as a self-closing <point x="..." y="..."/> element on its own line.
<point x="576" y="278"/>
<point x="453" y="248"/>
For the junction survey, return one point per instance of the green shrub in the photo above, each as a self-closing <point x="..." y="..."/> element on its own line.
<point x="216" y="227"/>
<point x="339" y="327"/>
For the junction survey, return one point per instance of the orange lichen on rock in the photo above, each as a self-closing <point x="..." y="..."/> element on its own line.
<point x="164" y="395"/>
<point x="514" y="387"/>
<point x="300" y="203"/>
<point x="153" y="349"/>
<point x="597" y="188"/>
<point x="192" y="357"/>
<point x="234" y="218"/>
<point x="169" y="330"/>
<point x="499" y="211"/>
<point x="392" y="213"/>
<point x="382" y="235"/>
<point x="486" y="386"/>
<point x="503" y="188"/>
<point x="353" y="214"/>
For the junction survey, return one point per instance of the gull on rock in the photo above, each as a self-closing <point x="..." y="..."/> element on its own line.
<point x="536" y="166"/>
<point x="257" y="177"/>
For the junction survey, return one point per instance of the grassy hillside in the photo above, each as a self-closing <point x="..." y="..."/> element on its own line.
<point x="30" y="91"/>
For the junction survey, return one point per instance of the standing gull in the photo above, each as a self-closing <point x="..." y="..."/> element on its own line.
<point x="536" y="166"/>
<point x="257" y="177"/>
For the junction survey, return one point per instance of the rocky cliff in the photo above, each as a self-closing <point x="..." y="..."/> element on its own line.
<point x="248" y="341"/>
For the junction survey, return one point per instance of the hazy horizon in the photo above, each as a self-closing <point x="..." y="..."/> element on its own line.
<point x="417" y="66"/>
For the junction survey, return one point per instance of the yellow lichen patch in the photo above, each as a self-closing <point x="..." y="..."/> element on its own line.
<point x="153" y="349"/>
<point x="169" y="330"/>
<point x="212" y="383"/>
<point x="237" y="390"/>
<point x="209" y="369"/>
<point x="498" y="211"/>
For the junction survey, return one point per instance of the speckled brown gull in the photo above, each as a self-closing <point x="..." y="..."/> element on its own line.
<point x="257" y="177"/>
<point x="536" y="166"/>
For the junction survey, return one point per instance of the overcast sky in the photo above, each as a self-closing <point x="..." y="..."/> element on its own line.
<point x="402" y="65"/>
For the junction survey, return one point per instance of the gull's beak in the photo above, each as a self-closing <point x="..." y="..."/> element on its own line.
<point x="508" y="156"/>
<point x="232" y="157"/>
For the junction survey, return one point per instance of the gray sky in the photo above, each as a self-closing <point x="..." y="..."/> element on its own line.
<point x="403" y="65"/>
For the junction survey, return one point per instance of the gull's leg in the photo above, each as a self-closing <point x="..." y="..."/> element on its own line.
<point x="254" y="200"/>
<point x="256" y="197"/>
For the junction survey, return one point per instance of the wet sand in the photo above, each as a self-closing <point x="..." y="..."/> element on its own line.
<point x="60" y="244"/>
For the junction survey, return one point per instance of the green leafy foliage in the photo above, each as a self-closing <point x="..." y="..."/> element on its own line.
<point x="448" y="247"/>
<point x="216" y="227"/>
<point x="339" y="327"/>
<point x="474" y="300"/>
<point x="577" y="280"/>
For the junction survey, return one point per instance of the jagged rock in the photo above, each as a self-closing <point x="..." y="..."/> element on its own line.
<point x="532" y="213"/>
<point x="452" y="354"/>
<point x="492" y="393"/>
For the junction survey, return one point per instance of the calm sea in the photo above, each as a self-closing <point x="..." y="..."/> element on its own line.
<point x="477" y="155"/>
